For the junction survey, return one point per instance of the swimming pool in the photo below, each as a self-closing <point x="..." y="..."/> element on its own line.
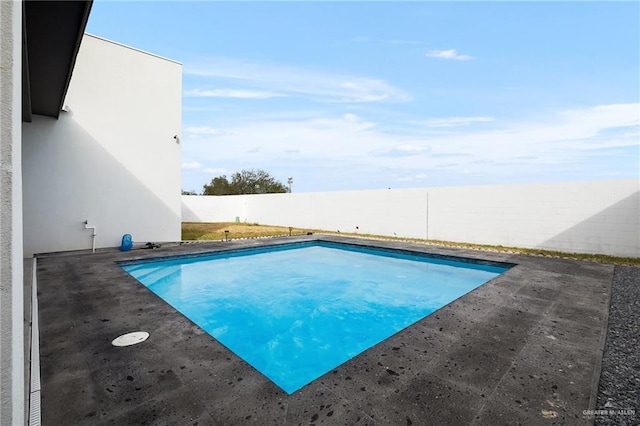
<point x="296" y="311"/>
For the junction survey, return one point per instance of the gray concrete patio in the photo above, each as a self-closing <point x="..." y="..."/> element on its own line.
<point x="524" y="348"/>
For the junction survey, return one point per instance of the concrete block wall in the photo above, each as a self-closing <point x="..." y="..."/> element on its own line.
<point x="600" y="217"/>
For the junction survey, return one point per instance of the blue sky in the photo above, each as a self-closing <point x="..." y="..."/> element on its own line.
<point x="368" y="95"/>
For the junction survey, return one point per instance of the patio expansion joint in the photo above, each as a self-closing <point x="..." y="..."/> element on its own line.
<point x="286" y="411"/>
<point x="534" y="329"/>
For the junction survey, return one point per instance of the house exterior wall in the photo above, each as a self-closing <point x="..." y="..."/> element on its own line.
<point x="12" y="383"/>
<point x="601" y="217"/>
<point x="111" y="159"/>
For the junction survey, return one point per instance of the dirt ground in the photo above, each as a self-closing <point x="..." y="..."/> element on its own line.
<point x="215" y="231"/>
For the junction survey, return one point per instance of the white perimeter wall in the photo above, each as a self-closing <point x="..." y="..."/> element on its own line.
<point x="583" y="217"/>
<point x="111" y="160"/>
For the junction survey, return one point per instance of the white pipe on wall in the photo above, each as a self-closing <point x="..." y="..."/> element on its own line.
<point x="86" y="225"/>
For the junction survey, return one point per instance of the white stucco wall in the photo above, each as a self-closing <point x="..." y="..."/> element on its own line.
<point x="112" y="159"/>
<point x="12" y="390"/>
<point x="584" y="217"/>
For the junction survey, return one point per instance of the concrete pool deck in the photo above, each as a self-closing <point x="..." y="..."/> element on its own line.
<point x="524" y="348"/>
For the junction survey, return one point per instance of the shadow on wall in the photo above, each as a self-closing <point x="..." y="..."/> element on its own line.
<point x="188" y="215"/>
<point x="614" y="231"/>
<point x="69" y="177"/>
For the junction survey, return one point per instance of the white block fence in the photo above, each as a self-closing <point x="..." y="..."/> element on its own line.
<point x="601" y="217"/>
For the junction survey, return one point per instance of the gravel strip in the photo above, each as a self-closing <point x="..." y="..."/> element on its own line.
<point x="618" y="400"/>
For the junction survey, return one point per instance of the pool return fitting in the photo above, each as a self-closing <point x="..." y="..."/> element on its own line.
<point x="86" y="226"/>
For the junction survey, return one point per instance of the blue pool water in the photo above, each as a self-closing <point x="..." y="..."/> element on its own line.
<point x="297" y="311"/>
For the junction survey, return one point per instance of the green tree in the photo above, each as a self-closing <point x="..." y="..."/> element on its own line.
<point x="218" y="186"/>
<point x="244" y="182"/>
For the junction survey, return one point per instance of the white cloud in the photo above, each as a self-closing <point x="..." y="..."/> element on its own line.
<point x="413" y="178"/>
<point x="357" y="121"/>
<point x="231" y="93"/>
<point x="191" y="165"/>
<point x="328" y="137"/>
<point x="283" y="80"/>
<point x="409" y="148"/>
<point x="215" y="171"/>
<point x="203" y="130"/>
<point x="349" y="143"/>
<point x="624" y="115"/>
<point x="448" y="54"/>
<point x="554" y="138"/>
<point x="456" y="121"/>
<point x="403" y="150"/>
<point x="199" y="169"/>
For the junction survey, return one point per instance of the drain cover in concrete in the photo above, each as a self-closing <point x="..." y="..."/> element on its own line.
<point x="130" y="338"/>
